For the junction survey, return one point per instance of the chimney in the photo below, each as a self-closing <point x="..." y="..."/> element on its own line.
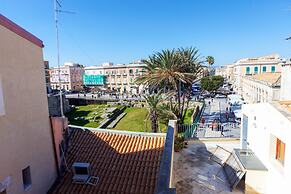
<point x="285" y="93"/>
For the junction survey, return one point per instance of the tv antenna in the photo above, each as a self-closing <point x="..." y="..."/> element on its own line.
<point x="57" y="10"/>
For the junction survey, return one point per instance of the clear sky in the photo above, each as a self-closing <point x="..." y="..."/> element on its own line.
<point x="125" y="30"/>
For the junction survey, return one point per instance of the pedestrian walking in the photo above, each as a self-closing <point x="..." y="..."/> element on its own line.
<point x="222" y="128"/>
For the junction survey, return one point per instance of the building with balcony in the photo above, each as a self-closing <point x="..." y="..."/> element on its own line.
<point x="120" y="77"/>
<point x="94" y="76"/>
<point x="264" y="87"/>
<point x="26" y="144"/>
<point x="252" y="66"/>
<point x="71" y="77"/>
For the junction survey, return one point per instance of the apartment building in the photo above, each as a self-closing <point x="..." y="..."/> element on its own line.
<point x="264" y="87"/>
<point x="120" y="77"/>
<point x="221" y="71"/>
<point x="252" y="66"/>
<point x="71" y="75"/>
<point x="266" y="131"/>
<point x="27" y="155"/>
<point x="94" y="76"/>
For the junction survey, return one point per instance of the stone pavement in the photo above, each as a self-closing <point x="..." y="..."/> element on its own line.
<point x="216" y="110"/>
<point x="194" y="171"/>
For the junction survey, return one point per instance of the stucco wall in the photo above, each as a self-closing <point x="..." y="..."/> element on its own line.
<point x="286" y="83"/>
<point x="25" y="136"/>
<point x="265" y="123"/>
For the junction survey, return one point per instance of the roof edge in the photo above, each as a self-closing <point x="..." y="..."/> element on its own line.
<point x="5" y="22"/>
<point x="121" y="132"/>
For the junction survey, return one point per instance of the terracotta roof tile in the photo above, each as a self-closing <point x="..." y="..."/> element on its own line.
<point x="125" y="163"/>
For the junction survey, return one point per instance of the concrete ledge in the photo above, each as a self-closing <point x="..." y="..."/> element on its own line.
<point x="164" y="182"/>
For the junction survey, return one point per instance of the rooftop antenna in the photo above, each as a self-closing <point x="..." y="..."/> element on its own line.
<point x="57" y="9"/>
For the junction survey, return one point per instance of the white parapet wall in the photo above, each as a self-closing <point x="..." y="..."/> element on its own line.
<point x="264" y="125"/>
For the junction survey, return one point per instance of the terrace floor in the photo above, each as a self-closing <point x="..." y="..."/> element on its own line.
<point x="194" y="172"/>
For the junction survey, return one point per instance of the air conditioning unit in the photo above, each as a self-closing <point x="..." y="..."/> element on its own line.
<point x="81" y="171"/>
<point x="82" y="174"/>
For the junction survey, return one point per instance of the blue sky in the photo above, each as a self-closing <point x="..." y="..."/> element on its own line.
<point x="125" y="30"/>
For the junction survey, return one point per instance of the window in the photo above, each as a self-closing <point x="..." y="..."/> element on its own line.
<point x="2" y="110"/>
<point x="136" y="70"/>
<point x="26" y="178"/>
<point x="256" y="69"/>
<point x="273" y="69"/>
<point x="248" y="69"/>
<point x="280" y="151"/>
<point x="130" y="71"/>
<point x="264" y="69"/>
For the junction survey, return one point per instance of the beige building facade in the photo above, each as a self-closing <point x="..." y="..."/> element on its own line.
<point x="71" y="76"/>
<point x="221" y="71"/>
<point x="252" y="66"/>
<point x="27" y="155"/>
<point x="264" y="87"/>
<point x="120" y="77"/>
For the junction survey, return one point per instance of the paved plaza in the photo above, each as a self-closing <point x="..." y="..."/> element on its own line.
<point x="217" y="111"/>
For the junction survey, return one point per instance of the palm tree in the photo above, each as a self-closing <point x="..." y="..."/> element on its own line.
<point x="210" y="61"/>
<point x="153" y="105"/>
<point x="158" y="110"/>
<point x="174" y="69"/>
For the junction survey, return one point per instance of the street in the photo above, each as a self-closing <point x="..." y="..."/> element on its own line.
<point x="217" y="120"/>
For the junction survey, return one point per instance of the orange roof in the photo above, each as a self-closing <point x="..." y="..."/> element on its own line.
<point x="125" y="163"/>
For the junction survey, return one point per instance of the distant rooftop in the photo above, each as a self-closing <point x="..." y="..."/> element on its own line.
<point x="268" y="78"/>
<point x="263" y="59"/>
<point x="125" y="163"/>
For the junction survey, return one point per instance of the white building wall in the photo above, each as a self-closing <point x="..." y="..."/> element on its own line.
<point x="286" y="82"/>
<point x="264" y="123"/>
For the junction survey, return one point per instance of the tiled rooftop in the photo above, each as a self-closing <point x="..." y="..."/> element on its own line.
<point x="125" y="163"/>
<point x="269" y="78"/>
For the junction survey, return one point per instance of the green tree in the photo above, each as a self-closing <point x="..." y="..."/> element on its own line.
<point x="174" y="69"/>
<point x="211" y="83"/>
<point x="154" y="109"/>
<point x="210" y="60"/>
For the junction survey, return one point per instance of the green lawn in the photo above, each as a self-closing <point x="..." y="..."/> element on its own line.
<point x="134" y="120"/>
<point x="88" y="112"/>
